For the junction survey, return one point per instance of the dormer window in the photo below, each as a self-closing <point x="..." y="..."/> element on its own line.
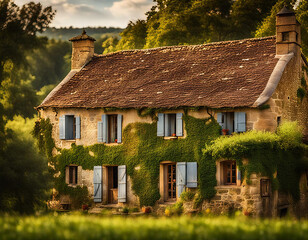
<point x="285" y="36"/>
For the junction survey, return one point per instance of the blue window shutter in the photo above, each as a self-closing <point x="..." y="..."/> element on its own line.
<point x="105" y="128"/>
<point x="122" y="183"/>
<point x="240" y="121"/>
<point x="220" y="120"/>
<point x="180" y="177"/>
<point x="100" y="131"/>
<point x="179" y="124"/>
<point x="97" y="182"/>
<point x="119" y="126"/>
<point x="192" y="175"/>
<point x="167" y="126"/>
<point x="161" y="125"/>
<point x="239" y="175"/>
<point x="78" y="127"/>
<point x="62" y="127"/>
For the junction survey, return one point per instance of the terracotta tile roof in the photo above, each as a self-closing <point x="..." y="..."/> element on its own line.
<point x="224" y="74"/>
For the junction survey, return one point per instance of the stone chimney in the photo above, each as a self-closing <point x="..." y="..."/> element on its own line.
<point x="288" y="34"/>
<point x="83" y="50"/>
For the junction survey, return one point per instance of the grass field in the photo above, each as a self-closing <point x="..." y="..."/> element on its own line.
<point x="95" y="227"/>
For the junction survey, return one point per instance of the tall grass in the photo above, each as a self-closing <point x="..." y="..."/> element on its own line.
<point x="94" y="227"/>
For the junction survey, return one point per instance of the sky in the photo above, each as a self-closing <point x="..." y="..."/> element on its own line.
<point x="95" y="13"/>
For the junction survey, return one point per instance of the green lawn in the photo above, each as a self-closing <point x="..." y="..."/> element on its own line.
<point x="95" y="227"/>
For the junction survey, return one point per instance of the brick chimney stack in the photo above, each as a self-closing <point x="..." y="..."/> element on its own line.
<point x="82" y="50"/>
<point x="288" y="35"/>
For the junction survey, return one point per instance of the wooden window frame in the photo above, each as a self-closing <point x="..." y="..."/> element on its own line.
<point x="171" y="124"/>
<point x="73" y="127"/>
<point x="112" y="133"/>
<point x="265" y="188"/>
<point x="233" y="175"/>
<point x="72" y="175"/>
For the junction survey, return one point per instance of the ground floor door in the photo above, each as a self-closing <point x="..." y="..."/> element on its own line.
<point x="112" y="184"/>
<point x="168" y="182"/>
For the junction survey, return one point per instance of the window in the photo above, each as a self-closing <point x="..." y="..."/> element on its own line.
<point x="278" y="121"/>
<point x="72" y="175"/>
<point x="110" y="128"/>
<point x="229" y="172"/>
<point x="176" y="177"/>
<point x="232" y="122"/>
<point x="69" y="127"/>
<point x="285" y="36"/>
<point x="170" y="125"/>
<point x="265" y="187"/>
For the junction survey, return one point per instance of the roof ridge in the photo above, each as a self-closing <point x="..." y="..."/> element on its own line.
<point x="185" y="46"/>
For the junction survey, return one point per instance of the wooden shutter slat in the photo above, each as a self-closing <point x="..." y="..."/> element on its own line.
<point x="122" y="183"/>
<point x="180" y="177"/>
<point x="97" y="182"/>
<point x="192" y="174"/>
<point x="78" y="135"/>
<point x="105" y="128"/>
<point x="119" y="128"/>
<point x="161" y="125"/>
<point x="179" y="124"/>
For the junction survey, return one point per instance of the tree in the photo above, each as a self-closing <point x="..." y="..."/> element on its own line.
<point x="133" y="36"/>
<point x="24" y="177"/>
<point x="23" y="171"/>
<point x="179" y="22"/>
<point x="18" y="28"/>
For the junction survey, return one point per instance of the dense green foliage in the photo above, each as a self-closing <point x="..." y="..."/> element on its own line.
<point x="24" y="177"/>
<point x="267" y="153"/>
<point x="178" y="22"/>
<point x="94" y="227"/>
<point x="23" y="171"/>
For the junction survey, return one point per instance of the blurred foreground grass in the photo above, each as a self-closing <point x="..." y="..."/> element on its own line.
<point x="104" y="227"/>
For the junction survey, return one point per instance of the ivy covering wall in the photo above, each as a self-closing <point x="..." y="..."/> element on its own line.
<point x="142" y="151"/>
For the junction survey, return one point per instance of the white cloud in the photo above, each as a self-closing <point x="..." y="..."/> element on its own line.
<point x="83" y="13"/>
<point x="130" y="9"/>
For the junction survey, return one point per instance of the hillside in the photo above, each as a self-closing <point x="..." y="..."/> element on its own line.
<point x="66" y="33"/>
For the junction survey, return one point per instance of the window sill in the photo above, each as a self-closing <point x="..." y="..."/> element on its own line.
<point x="171" y="138"/>
<point x="227" y="186"/>
<point x="72" y="185"/>
<point x="69" y="140"/>
<point x="112" y="144"/>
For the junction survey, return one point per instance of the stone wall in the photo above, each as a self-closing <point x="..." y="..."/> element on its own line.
<point x="284" y="102"/>
<point x="245" y="198"/>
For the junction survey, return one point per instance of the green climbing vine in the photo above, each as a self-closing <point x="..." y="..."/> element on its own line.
<point x="280" y="155"/>
<point x="142" y="151"/>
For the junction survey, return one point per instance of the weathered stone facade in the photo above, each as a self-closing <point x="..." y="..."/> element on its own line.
<point x="282" y="105"/>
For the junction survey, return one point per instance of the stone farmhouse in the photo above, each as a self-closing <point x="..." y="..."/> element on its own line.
<point x="105" y="100"/>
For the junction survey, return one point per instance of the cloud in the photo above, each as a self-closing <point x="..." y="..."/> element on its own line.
<point x="82" y="13"/>
<point x="130" y="9"/>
